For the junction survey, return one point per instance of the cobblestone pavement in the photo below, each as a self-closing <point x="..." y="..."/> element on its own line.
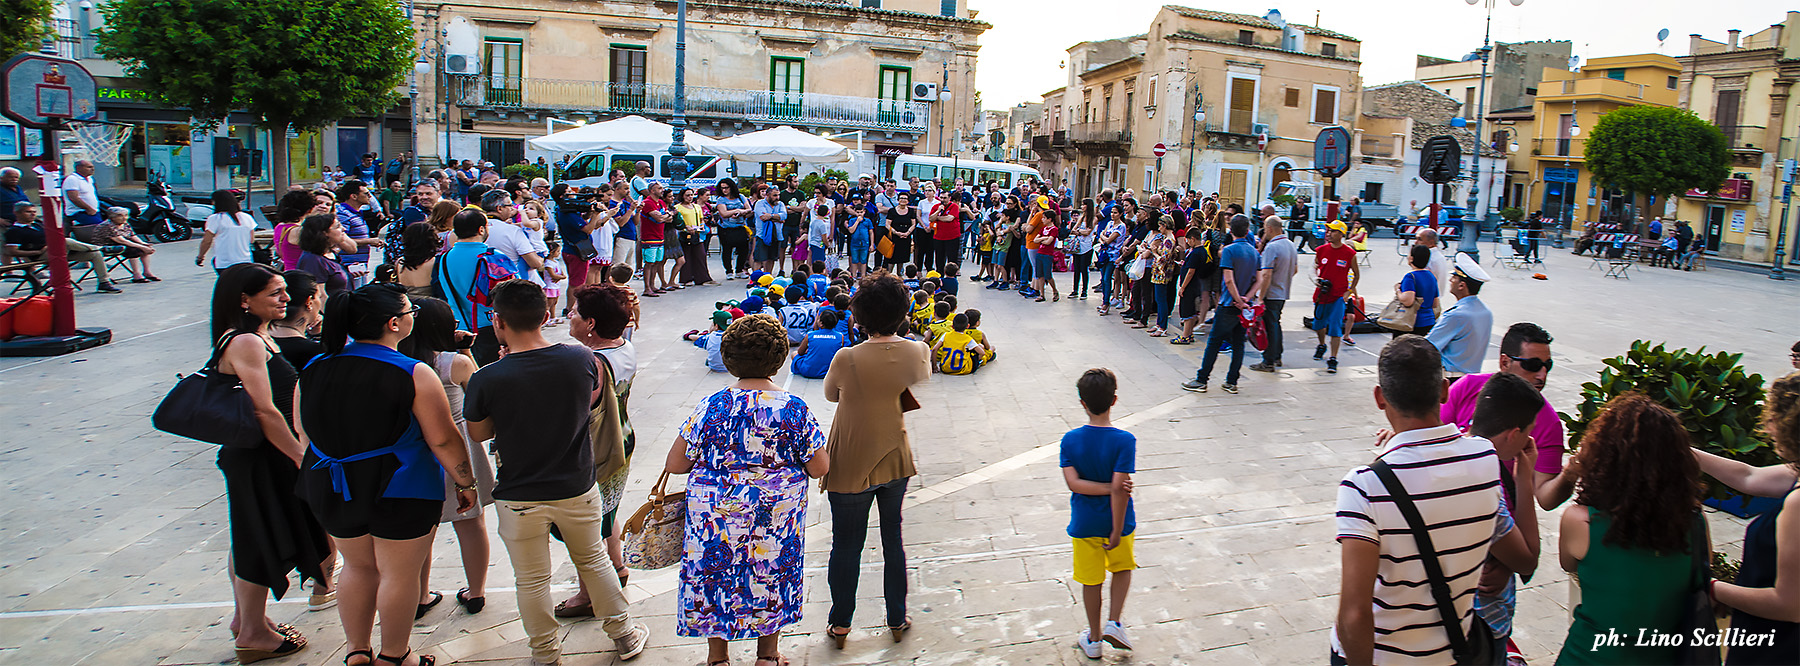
<point x="112" y="546"/>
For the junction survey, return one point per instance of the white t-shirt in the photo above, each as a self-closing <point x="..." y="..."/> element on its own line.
<point x="624" y="360"/>
<point x="510" y="242"/>
<point x="603" y="241"/>
<point x="231" y="238"/>
<point x="79" y="188"/>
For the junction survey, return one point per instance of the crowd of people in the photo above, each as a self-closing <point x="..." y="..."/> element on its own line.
<point x="382" y="393"/>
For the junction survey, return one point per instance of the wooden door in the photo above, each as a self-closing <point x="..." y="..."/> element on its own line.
<point x="1232" y="183"/>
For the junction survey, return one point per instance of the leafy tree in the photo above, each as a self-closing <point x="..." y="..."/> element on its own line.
<point x="290" y="64"/>
<point x="1657" y="150"/>
<point x="24" y="24"/>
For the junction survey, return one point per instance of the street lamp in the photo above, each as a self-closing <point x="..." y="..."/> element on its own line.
<point x="678" y="165"/>
<point x="1469" y="240"/>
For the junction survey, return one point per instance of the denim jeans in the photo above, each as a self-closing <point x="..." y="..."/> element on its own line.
<point x="849" y="528"/>
<point x="1106" y="279"/>
<point x="1165" y="299"/>
<point x="1227" y="323"/>
<point x="1025" y="265"/>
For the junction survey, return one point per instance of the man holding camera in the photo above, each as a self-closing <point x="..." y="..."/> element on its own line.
<point x="1334" y="274"/>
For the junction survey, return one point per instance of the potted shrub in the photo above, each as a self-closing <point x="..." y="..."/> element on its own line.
<point x="1719" y="403"/>
<point x="1512" y="215"/>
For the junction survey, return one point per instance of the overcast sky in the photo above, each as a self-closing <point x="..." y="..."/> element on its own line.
<point x="1019" y="55"/>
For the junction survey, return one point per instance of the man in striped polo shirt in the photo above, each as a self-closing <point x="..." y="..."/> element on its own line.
<point x="1387" y="613"/>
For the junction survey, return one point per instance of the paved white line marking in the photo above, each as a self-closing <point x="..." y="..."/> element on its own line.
<point x="115" y="342"/>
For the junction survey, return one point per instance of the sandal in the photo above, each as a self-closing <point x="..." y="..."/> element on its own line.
<point x="837" y="638"/>
<point x="721" y="662"/>
<point x="426" y="607"/>
<point x="778" y="660"/>
<point x="280" y="628"/>
<point x="367" y="653"/>
<point x="1183" y="340"/>
<point x="424" y="659"/>
<point x="289" y="645"/>
<point x="563" y="609"/>
<point x="471" y="604"/>
<point x="899" y="632"/>
<point x="652" y="294"/>
<point x="152" y="278"/>
<point x="624" y="575"/>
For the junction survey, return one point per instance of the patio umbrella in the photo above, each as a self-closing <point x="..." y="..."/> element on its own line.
<point x="783" y="143"/>
<point x="630" y="134"/>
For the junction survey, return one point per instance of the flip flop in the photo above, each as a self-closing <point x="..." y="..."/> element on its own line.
<point x="436" y="598"/>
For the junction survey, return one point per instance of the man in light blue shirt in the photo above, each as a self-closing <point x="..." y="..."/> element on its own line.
<point x="1462" y="332"/>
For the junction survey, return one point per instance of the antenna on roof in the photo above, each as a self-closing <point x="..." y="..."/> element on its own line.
<point x="1661" y="36"/>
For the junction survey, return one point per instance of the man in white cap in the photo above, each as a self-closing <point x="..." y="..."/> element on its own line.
<point x="1462" y="331"/>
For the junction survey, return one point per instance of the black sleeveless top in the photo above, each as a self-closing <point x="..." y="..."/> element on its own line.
<point x="1758" y="570"/>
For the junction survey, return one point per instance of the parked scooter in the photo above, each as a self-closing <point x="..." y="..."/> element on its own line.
<point x="160" y="219"/>
<point x="200" y="208"/>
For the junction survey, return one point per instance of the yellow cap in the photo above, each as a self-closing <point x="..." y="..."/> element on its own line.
<point x="777" y="290"/>
<point x="766" y="280"/>
<point x="932" y="275"/>
<point x="1338" y="227"/>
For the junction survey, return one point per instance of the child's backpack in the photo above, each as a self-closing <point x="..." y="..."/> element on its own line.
<point x="490" y="269"/>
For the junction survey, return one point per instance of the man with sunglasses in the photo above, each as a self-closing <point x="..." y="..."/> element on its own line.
<point x="1525" y="352"/>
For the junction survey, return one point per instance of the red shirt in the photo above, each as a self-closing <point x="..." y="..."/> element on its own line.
<point x="951" y="230"/>
<point x="1333" y="263"/>
<point x="649" y="229"/>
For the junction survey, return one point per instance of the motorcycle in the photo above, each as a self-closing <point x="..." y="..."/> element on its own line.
<point x="200" y="208"/>
<point x="159" y="218"/>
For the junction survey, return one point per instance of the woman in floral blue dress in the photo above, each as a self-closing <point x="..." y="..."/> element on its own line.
<point x="750" y="449"/>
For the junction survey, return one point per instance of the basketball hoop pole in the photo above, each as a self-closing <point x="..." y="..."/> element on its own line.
<point x="56" y="245"/>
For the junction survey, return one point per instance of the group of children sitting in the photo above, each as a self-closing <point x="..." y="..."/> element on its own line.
<point x="814" y="306"/>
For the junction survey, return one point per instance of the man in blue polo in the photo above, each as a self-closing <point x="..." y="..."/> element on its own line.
<point x="1243" y="280"/>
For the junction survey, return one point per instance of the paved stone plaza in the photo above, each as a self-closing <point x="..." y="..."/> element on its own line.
<point x="114" y="542"/>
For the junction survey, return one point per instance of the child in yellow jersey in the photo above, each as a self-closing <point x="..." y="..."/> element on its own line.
<point x="955" y="353"/>
<point x="987" y="348"/>
<point x="920" y="316"/>
<point x="940" y="321"/>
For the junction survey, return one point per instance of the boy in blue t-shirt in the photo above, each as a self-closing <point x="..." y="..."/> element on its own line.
<point x="797" y="317"/>
<point x="840" y="306"/>
<point x="813" y="357"/>
<point x="710" y="341"/>
<point x="1097" y="463"/>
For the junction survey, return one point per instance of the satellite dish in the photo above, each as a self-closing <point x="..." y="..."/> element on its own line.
<point x="1274" y="16"/>
<point x="1662" y="34"/>
<point x="1516" y="3"/>
<point x="1574" y="62"/>
<point x="1471" y="1"/>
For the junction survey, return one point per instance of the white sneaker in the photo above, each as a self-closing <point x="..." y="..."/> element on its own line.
<point x="1089" y="648"/>
<point x="1113" y="633"/>
<point x="632" y="644"/>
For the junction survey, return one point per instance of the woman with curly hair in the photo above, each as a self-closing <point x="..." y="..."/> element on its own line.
<point x="1765" y="598"/>
<point x="748" y="450"/>
<point x="1631" y="533"/>
<point x="420" y="245"/>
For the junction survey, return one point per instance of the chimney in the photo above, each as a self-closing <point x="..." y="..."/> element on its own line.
<point x="1731" y="43"/>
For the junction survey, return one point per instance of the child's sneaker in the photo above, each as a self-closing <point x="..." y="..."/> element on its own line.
<point x="1113" y="633"/>
<point x="1088" y="647"/>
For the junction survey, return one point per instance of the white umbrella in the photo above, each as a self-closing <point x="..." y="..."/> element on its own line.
<point x="782" y="143"/>
<point x="631" y="134"/>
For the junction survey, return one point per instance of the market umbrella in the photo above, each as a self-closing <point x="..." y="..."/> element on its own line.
<point x="783" y="143"/>
<point x="630" y="134"/>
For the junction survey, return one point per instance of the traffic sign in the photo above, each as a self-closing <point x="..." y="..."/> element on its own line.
<point x="1159" y="150"/>
<point x="1331" y="152"/>
<point x="1441" y="160"/>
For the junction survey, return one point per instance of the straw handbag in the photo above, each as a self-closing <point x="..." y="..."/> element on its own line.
<point x="653" y="537"/>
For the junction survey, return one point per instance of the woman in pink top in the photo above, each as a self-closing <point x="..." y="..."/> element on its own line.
<point x="292" y="208"/>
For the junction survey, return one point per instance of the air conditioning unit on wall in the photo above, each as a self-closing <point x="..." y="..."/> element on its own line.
<point x="458" y="63"/>
<point x="1260" y="128"/>
<point x="925" y="92"/>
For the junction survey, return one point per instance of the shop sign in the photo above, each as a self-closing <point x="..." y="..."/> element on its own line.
<point x="1561" y="175"/>
<point x="1737" y="221"/>
<point x="1734" y="189"/>
<point x="132" y="94"/>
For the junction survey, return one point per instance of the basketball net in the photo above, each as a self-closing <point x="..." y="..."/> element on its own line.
<point x="101" y="140"/>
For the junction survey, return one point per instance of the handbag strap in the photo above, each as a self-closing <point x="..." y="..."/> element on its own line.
<point x="212" y="364"/>
<point x="1434" y="572"/>
<point x="660" y="490"/>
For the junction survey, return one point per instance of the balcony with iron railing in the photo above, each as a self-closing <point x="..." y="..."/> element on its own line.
<point x="702" y="102"/>
<point x="64" y="40"/>
<point x="1570" y="148"/>
<point x="1040" y="142"/>
<point x="1107" y="132"/>
<point x="1745" y="138"/>
<point x="1597" y="87"/>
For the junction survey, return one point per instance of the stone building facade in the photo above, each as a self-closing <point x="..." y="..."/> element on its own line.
<point x="901" y="72"/>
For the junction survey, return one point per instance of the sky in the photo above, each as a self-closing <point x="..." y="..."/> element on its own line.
<point x="1019" y="55"/>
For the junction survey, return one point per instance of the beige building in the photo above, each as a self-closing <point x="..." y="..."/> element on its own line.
<point x="1744" y="86"/>
<point x="900" y="72"/>
<point x="1514" y="72"/>
<point x="1266" y="90"/>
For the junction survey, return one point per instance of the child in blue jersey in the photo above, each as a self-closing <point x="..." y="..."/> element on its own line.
<point x="711" y="340"/>
<point x="840" y="306"/>
<point x="813" y="357"/>
<point x="1097" y="463"/>
<point x="948" y="281"/>
<point x="816" y="280"/>
<point x="796" y="316"/>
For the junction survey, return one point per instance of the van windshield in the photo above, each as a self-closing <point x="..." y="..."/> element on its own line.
<point x="586" y="166"/>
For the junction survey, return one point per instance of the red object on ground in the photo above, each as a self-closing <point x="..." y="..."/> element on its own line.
<point x="35" y="317"/>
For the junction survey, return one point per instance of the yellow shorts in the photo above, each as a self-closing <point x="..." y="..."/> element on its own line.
<point x="1093" y="560"/>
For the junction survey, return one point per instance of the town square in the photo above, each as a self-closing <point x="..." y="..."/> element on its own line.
<point x="564" y="332"/>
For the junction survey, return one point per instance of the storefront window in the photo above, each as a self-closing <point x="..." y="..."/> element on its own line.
<point x="251" y="138"/>
<point x="306" y="157"/>
<point x="159" y="150"/>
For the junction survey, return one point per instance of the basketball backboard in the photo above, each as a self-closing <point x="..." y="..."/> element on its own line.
<point x="41" y="91"/>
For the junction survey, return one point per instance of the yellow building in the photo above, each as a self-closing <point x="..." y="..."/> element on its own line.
<point x="1744" y="87"/>
<point x="1570" y="102"/>
<point x="900" y="71"/>
<point x="1266" y="88"/>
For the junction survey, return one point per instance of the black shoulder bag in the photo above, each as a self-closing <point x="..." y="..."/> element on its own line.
<point x="1476" y="648"/>
<point x="211" y="407"/>
<point x="1698" y="618"/>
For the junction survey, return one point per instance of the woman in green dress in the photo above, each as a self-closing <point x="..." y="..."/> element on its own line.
<point x="1630" y="534"/>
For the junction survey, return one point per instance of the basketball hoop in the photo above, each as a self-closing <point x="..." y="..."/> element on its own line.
<point x="101" y="139"/>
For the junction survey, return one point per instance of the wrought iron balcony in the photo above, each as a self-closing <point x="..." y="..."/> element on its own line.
<point x="1105" y="132"/>
<point x="702" y="102"/>
<point x="1040" y="142"/>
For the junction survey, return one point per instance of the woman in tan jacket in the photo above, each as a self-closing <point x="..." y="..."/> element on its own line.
<point x="872" y="460"/>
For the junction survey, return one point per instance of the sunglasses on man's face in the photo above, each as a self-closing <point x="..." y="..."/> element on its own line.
<point x="1533" y="364"/>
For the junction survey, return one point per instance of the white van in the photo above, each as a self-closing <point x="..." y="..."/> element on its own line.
<point x="973" y="172"/>
<point x="589" y="169"/>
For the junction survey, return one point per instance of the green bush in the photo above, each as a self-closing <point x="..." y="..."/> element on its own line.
<point x="1513" y="214"/>
<point x="1284" y="200"/>
<point x="628" y="166"/>
<point x="811" y="180"/>
<point x="1718" y="403"/>
<point x="526" y="171"/>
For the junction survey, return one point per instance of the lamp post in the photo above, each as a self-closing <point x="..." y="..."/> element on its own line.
<point x="1469" y="240"/>
<point x="1776" y="272"/>
<point x="1194" y="133"/>
<point x="678" y="165"/>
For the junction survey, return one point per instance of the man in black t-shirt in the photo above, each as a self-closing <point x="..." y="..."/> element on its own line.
<point x="534" y="403"/>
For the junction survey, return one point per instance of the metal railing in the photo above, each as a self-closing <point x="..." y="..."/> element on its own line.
<point x="659" y="99"/>
<point x="1593" y="86"/>
<point x="1375" y="146"/>
<point x="64" y="40"/>
<point x="1040" y="142"/>
<point x="1109" y="131"/>
<point x="1571" y="147"/>
<point x="1745" y="137"/>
